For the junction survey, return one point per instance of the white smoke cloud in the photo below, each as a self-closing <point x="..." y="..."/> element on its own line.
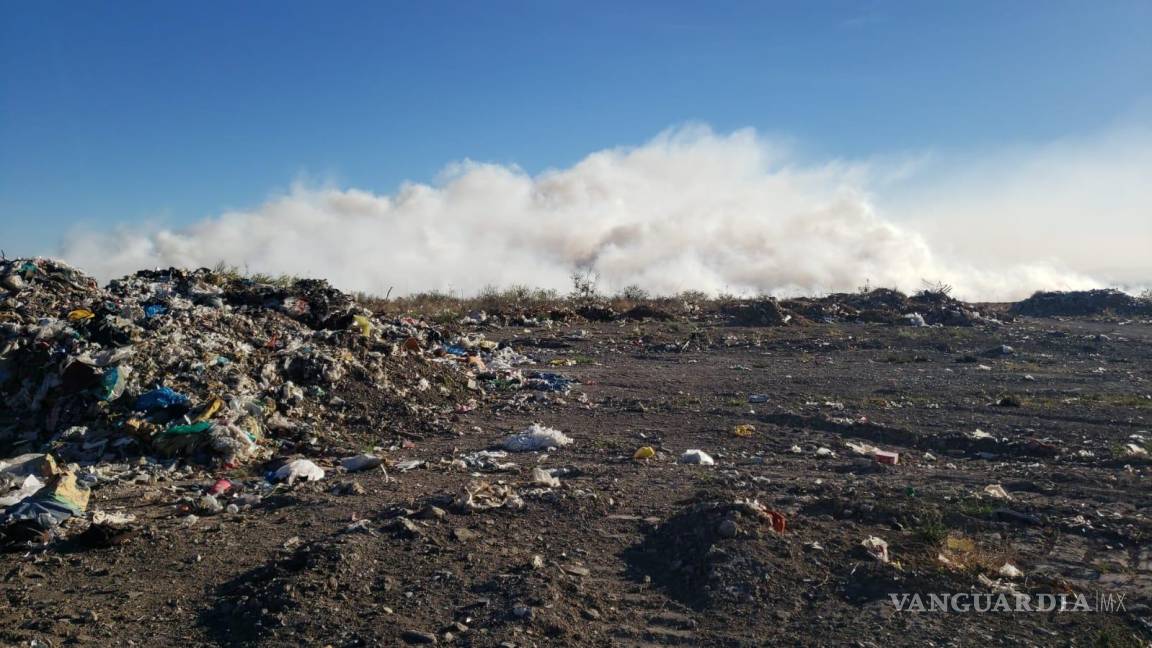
<point x="1085" y="202"/>
<point x="690" y="209"/>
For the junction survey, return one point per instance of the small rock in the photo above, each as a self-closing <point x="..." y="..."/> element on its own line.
<point x="431" y="513"/>
<point x="461" y="534"/>
<point x="727" y="529"/>
<point x="417" y="637"/>
<point x="404" y="528"/>
<point x="577" y="570"/>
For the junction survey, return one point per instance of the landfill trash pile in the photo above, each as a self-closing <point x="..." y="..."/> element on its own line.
<point x="174" y="363"/>
<point x="882" y="305"/>
<point x="1083" y="302"/>
<point x="202" y="368"/>
<point x="879" y="305"/>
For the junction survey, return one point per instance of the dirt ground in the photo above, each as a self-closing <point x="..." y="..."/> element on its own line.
<point x="657" y="552"/>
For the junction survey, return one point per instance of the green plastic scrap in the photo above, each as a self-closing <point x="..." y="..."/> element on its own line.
<point x="182" y="439"/>
<point x="199" y="427"/>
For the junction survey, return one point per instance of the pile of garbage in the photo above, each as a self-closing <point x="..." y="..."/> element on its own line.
<point x="881" y="305"/>
<point x="498" y="366"/>
<point x="203" y="367"/>
<point x="1082" y="302"/>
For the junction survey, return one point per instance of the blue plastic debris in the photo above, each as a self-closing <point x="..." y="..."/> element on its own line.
<point x="161" y="398"/>
<point x="545" y="381"/>
<point x="456" y="350"/>
<point x="112" y="384"/>
<point x="155" y="310"/>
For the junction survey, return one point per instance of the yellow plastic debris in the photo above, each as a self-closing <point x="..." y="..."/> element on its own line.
<point x="744" y="430"/>
<point x="362" y="323"/>
<point x="209" y="410"/>
<point x="80" y="314"/>
<point x="65" y="490"/>
<point x="645" y="452"/>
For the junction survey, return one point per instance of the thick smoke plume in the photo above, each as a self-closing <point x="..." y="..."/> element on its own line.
<point x="690" y="209"/>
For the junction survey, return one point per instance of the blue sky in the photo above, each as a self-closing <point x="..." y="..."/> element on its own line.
<point x="115" y="112"/>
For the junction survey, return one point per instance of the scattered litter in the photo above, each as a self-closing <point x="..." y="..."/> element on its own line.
<point x="360" y="526"/>
<point x="542" y="477"/>
<point x="644" y="452"/>
<point x="410" y="464"/>
<point x="697" y="457"/>
<point x="161" y="398"/>
<point x="885" y="457"/>
<point x="299" y="469"/>
<point x="482" y="496"/>
<point x="487" y="461"/>
<point x="361" y="462"/>
<point x="861" y="448"/>
<point x="876" y="547"/>
<point x="1010" y="571"/>
<point x="1000" y="351"/>
<point x="997" y="491"/>
<point x="1135" y="450"/>
<point x="915" y="319"/>
<point x="209" y="505"/>
<point x="881" y="456"/>
<point x="536" y="437"/>
<point x="61" y="498"/>
<point x="26" y="488"/>
<point x="112" y="519"/>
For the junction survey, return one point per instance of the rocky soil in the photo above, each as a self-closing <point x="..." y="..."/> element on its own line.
<point x="1019" y="444"/>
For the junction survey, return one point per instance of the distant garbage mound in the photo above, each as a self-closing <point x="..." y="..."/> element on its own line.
<point x="1082" y="302"/>
<point x="881" y="305"/>
<point x="202" y="364"/>
<point x="756" y="312"/>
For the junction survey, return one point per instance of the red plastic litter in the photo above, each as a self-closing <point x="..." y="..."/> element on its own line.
<point x="884" y="457"/>
<point x="221" y="486"/>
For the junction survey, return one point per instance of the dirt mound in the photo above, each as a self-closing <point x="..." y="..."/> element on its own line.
<point x="1082" y="302"/>
<point x="283" y="592"/>
<point x="721" y="553"/>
